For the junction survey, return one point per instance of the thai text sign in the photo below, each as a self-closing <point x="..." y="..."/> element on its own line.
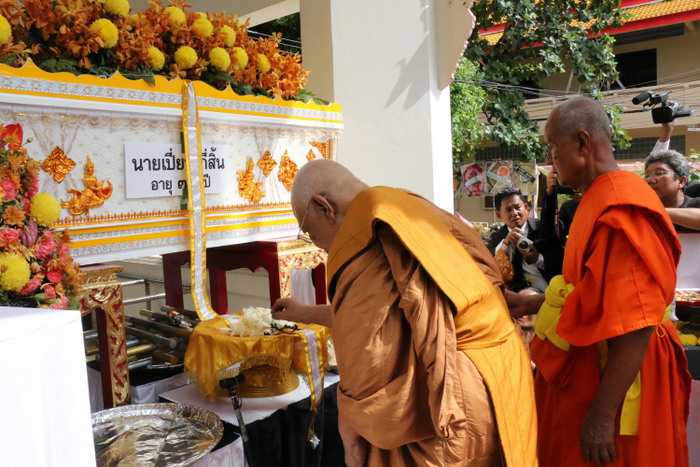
<point x="158" y="170"/>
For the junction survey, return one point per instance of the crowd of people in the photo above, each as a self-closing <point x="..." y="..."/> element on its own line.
<point x="433" y="370"/>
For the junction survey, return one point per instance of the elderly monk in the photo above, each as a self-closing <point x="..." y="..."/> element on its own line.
<point x="612" y="384"/>
<point x="432" y="370"/>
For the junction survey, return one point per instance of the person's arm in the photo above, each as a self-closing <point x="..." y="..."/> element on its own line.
<point x="522" y="305"/>
<point x="686" y="217"/>
<point x="664" y="141"/>
<point x="549" y="209"/>
<point x="291" y="310"/>
<point x="625" y="355"/>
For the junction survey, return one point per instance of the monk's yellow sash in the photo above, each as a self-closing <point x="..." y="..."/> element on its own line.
<point x="546" y="329"/>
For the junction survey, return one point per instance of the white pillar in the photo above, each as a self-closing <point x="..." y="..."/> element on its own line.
<point x="378" y="59"/>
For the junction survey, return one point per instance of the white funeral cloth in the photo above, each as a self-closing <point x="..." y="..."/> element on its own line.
<point x="44" y="398"/>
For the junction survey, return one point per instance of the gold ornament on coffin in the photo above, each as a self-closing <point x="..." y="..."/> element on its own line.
<point x="58" y="165"/>
<point x="267" y="376"/>
<point x="248" y="188"/>
<point x="94" y="194"/>
<point x="266" y="163"/>
<point x="324" y="147"/>
<point x="310" y="155"/>
<point x="288" y="170"/>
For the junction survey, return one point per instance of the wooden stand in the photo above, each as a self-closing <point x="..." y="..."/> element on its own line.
<point x="102" y="294"/>
<point x="277" y="257"/>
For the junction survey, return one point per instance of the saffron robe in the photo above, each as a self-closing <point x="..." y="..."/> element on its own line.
<point x="432" y="370"/>
<point x="621" y="257"/>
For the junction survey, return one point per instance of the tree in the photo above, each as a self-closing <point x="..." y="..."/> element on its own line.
<point x="540" y="39"/>
<point x="466" y="101"/>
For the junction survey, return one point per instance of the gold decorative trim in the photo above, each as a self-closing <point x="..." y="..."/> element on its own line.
<point x="287" y="171"/>
<point x="93" y="195"/>
<point x="102" y="293"/>
<point x="57" y="164"/>
<point x="156" y="215"/>
<point x="266" y="163"/>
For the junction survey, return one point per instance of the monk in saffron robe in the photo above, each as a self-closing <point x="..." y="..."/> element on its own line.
<point x="612" y="383"/>
<point x="432" y="370"/>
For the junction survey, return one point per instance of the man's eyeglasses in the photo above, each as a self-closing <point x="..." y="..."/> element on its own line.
<point x="304" y="236"/>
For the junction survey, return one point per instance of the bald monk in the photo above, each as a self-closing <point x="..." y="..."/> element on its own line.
<point x="612" y="384"/>
<point x="432" y="370"/>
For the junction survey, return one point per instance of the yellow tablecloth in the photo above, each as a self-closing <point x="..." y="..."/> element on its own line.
<point x="211" y="349"/>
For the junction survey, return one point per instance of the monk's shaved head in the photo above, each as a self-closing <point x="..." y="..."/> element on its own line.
<point x="331" y="187"/>
<point x="581" y="113"/>
<point x="579" y="134"/>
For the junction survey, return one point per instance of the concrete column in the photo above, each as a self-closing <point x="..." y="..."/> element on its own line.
<point x="378" y="59"/>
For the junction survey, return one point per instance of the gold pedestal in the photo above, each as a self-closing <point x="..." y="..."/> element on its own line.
<point x="268" y="381"/>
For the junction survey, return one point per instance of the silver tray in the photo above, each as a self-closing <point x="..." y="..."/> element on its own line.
<point x="154" y="435"/>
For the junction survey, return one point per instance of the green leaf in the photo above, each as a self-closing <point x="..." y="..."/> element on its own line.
<point x="562" y="28"/>
<point x="55" y="65"/>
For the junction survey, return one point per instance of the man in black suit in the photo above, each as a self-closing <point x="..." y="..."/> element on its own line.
<point x="528" y="265"/>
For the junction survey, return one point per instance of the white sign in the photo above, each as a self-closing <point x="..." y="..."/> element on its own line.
<point x="158" y="170"/>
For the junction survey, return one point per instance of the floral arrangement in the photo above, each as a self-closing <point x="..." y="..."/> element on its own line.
<point x="36" y="268"/>
<point x="104" y="36"/>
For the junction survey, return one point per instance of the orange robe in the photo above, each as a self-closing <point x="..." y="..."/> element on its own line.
<point x="432" y="370"/>
<point x="621" y="257"/>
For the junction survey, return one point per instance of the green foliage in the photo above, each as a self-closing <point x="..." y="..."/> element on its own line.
<point x="694" y="159"/>
<point x="541" y="39"/>
<point x="466" y="101"/>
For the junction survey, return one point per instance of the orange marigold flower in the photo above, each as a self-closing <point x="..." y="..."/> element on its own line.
<point x="13" y="216"/>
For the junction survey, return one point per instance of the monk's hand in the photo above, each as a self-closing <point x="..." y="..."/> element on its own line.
<point x="289" y="310"/>
<point x="356" y="447"/>
<point x="598" y="438"/>
<point x="523" y="304"/>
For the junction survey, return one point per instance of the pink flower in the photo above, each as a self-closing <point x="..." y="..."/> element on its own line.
<point x="54" y="276"/>
<point x="49" y="291"/>
<point x="31" y="286"/>
<point x="33" y="187"/>
<point x="45" y="247"/>
<point x="65" y="251"/>
<point x="61" y="304"/>
<point x="9" y="237"/>
<point x="29" y="234"/>
<point x="9" y="189"/>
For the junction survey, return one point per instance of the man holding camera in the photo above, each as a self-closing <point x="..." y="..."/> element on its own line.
<point x="516" y="243"/>
<point x="667" y="171"/>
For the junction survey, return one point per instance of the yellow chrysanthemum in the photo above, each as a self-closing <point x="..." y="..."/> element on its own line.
<point x="200" y="14"/>
<point x="229" y="35"/>
<point x="107" y="31"/>
<point x="202" y="27"/>
<point x="15" y="271"/>
<point x="219" y="58"/>
<point x="134" y="19"/>
<point x="176" y="17"/>
<point x="45" y="209"/>
<point x="156" y="59"/>
<point x="117" y="7"/>
<point x="241" y="58"/>
<point x="5" y="30"/>
<point x="263" y="63"/>
<point x="185" y="57"/>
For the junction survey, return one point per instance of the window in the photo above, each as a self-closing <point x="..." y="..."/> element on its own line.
<point x="637" y="69"/>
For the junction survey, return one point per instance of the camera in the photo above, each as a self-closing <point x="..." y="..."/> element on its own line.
<point x="662" y="109"/>
<point x="524" y="244"/>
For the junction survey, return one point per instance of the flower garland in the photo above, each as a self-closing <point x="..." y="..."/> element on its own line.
<point x="36" y="268"/>
<point x="102" y="37"/>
